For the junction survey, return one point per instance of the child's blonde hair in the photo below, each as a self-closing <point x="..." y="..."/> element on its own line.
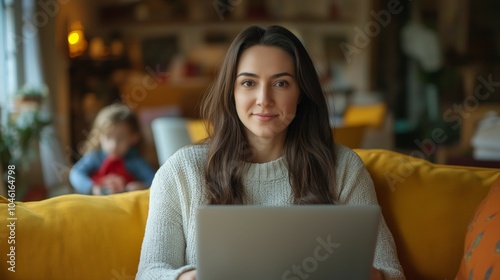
<point x="107" y="118"/>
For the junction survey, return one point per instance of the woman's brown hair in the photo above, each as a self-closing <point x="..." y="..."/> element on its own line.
<point x="309" y="148"/>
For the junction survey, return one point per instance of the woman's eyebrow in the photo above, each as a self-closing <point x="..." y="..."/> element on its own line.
<point x="256" y="76"/>
<point x="247" y="74"/>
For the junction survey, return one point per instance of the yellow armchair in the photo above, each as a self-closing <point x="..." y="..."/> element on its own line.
<point x="427" y="208"/>
<point x="364" y="126"/>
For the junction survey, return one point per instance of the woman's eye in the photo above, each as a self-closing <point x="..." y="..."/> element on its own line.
<point x="247" y="83"/>
<point x="281" y="84"/>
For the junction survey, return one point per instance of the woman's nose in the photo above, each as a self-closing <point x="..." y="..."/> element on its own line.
<point x="264" y="97"/>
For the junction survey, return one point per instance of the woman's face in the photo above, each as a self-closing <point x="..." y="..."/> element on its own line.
<point x="266" y="92"/>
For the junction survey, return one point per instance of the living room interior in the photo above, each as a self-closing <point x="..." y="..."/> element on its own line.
<point x="398" y="75"/>
<point x="416" y="82"/>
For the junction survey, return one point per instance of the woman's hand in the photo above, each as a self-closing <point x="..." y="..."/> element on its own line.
<point x="189" y="275"/>
<point x="376" y="274"/>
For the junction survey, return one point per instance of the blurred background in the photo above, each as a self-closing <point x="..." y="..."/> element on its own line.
<point x="419" y="77"/>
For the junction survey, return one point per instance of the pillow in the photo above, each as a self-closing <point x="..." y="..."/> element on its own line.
<point x="427" y="207"/>
<point x="481" y="259"/>
<point x="74" y="237"/>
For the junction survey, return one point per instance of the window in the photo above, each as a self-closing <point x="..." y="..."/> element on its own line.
<point x="7" y="74"/>
<point x="3" y="58"/>
<point x="10" y="51"/>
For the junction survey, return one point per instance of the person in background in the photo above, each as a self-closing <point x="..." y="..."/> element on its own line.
<point x="270" y="144"/>
<point x="111" y="162"/>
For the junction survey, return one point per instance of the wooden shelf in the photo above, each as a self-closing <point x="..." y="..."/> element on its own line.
<point x="200" y="13"/>
<point x="226" y="21"/>
<point x="179" y="25"/>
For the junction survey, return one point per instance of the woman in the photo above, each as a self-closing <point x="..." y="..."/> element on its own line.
<point x="271" y="145"/>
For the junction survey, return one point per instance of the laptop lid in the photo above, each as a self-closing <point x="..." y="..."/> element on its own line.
<point x="288" y="243"/>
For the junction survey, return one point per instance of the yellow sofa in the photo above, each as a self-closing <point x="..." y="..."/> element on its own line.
<point x="427" y="207"/>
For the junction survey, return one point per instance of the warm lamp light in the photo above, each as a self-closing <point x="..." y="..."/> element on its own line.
<point x="76" y="40"/>
<point x="73" y="37"/>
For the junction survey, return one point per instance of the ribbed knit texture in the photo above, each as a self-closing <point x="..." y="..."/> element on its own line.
<point x="169" y="246"/>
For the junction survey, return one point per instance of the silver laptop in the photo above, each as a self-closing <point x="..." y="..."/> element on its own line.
<point x="288" y="243"/>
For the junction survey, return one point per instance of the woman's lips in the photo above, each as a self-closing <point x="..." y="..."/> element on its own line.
<point x="264" y="117"/>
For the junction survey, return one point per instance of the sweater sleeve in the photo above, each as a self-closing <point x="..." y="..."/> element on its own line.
<point x="357" y="188"/>
<point x="79" y="175"/>
<point x="164" y="245"/>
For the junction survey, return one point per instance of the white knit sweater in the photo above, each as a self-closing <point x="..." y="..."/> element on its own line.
<point x="169" y="246"/>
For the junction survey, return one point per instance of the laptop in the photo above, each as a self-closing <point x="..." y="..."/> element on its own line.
<point x="288" y="243"/>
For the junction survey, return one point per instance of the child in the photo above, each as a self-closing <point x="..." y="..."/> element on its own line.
<point x="111" y="162"/>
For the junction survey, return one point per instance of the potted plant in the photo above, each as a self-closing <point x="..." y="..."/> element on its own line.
<point x="30" y="97"/>
<point x="21" y="131"/>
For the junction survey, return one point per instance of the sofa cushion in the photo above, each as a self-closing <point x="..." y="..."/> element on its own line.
<point x="76" y="237"/>
<point x="481" y="259"/>
<point x="427" y="208"/>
